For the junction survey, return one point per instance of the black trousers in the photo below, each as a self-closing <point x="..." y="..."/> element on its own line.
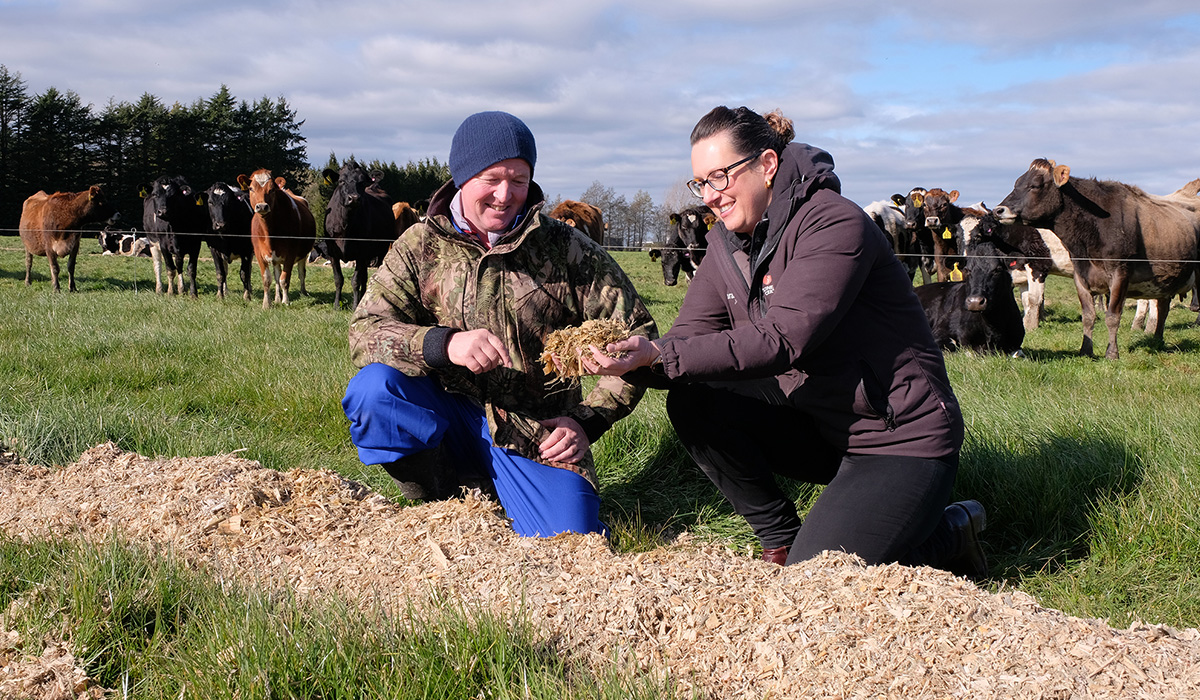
<point x="882" y="508"/>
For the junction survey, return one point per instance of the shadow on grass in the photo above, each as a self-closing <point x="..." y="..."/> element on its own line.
<point x="1040" y="503"/>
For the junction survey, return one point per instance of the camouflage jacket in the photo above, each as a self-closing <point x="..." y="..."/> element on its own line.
<point x="540" y="277"/>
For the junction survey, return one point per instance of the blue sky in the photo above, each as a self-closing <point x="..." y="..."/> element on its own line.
<point x="940" y="94"/>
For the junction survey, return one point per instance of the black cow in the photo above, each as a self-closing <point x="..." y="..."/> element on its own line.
<point x="1123" y="242"/>
<point x="687" y="244"/>
<point x="359" y="224"/>
<point x="230" y="215"/>
<point x="176" y="222"/>
<point x="979" y="313"/>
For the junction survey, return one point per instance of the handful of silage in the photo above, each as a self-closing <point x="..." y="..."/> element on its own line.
<point x="567" y="344"/>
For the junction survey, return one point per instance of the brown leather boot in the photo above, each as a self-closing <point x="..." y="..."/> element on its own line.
<point x="776" y="555"/>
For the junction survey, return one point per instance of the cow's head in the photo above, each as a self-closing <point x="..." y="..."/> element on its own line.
<point x="226" y="205"/>
<point x="1037" y="196"/>
<point x="691" y="228"/>
<point x="350" y="183"/>
<point x="172" y="199"/>
<point x="264" y="190"/>
<point x="911" y="204"/>
<point x="939" y="210"/>
<point x="673" y="259"/>
<point x="988" y="274"/>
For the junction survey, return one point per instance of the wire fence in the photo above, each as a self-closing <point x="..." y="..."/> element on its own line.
<point x="207" y="235"/>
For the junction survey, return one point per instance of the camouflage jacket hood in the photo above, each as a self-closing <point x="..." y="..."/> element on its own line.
<point x="541" y="276"/>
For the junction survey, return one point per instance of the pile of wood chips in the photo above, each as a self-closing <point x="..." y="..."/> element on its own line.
<point x="568" y="344"/>
<point x="724" y="625"/>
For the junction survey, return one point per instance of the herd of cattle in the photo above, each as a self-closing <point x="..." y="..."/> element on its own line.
<point x="1116" y="241"/>
<point x="258" y="219"/>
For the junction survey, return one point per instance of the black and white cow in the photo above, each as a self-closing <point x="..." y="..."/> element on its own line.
<point x="230" y="215"/>
<point x="176" y="221"/>
<point x="129" y="243"/>
<point x="687" y="244"/>
<point x="979" y="313"/>
<point x="889" y="217"/>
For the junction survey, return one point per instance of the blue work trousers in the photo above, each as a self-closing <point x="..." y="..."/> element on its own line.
<point x="393" y="416"/>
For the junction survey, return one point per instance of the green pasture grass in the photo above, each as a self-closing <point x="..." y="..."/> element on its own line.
<point x="147" y="626"/>
<point x="1087" y="467"/>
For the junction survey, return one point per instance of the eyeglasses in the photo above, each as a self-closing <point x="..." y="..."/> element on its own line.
<point x="718" y="179"/>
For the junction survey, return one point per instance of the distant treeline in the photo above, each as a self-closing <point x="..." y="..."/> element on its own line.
<point x="52" y="141"/>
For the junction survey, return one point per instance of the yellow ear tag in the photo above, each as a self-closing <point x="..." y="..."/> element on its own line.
<point x="956" y="274"/>
<point x="947" y="235"/>
<point x="199" y="201"/>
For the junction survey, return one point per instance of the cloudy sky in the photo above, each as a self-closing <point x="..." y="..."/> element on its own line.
<point x="934" y="94"/>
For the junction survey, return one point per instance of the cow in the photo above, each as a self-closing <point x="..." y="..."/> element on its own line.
<point x="283" y="231"/>
<point x="943" y="220"/>
<point x="51" y="228"/>
<point x="979" y="313"/>
<point x="128" y="243"/>
<point x="176" y="222"/>
<point x="405" y="216"/>
<point x="582" y="216"/>
<point x="229" y="215"/>
<point x="359" y="225"/>
<point x="686" y="245"/>
<point x="889" y="217"/>
<point x="1123" y="242"/>
<point x="920" y="243"/>
<point x="1044" y="255"/>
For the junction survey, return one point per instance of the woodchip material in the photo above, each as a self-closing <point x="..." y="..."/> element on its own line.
<point x="723" y="625"/>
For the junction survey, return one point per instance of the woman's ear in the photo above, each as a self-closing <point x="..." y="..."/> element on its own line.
<point x="770" y="163"/>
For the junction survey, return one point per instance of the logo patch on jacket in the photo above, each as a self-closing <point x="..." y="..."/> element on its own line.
<point x="768" y="288"/>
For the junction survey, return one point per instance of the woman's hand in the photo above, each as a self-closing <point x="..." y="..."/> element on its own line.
<point x="633" y="352"/>
<point x="478" y="350"/>
<point x="567" y="441"/>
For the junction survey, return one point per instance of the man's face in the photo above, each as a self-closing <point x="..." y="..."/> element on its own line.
<point x="492" y="199"/>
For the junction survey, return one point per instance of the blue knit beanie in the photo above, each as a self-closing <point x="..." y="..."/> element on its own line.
<point x="487" y="138"/>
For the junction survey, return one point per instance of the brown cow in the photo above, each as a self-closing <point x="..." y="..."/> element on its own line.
<point x="582" y="216"/>
<point x="50" y="227"/>
<point x="405" y="216"/>
<point x="1123" y="242"/>
<point x="283" y="232"/>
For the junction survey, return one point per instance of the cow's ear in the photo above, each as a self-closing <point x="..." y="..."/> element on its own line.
<point x="200" y="199"/>
<point x="898" y="200"/>
<point x="918" y="199"/>
<point x="655" y="253"/>
<point x="1062" y="173"/>
<point x="710" y="220"/>
<point x="243" y="182"/>
<point x="953" y="195"/>
<point x="329" y="176"/>
<point x="674" y="219"/>
<point x="144" y="190"/>
<point x="376" y="175"/>
<point x="281" y="183"/>
<point x="93" y="192"/>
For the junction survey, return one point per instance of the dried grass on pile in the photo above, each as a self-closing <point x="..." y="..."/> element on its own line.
<point x="568" y="343"/>
<point x="724" y="625"/>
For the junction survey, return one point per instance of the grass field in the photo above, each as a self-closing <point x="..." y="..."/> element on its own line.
<point x="1087" y="467"/>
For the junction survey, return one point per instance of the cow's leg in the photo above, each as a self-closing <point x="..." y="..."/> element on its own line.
<point x="245" y="277"/>
<point x="52" y="258"/>
<point x="1163" y="307"/>
<point x="156" y="258"/>
<point x="1035" y="302"/>
<point x="221" y="265"/>
<point x="1088" y="313"/>
<point x="71" y="268"/>
<point x="335" y="263"/>
<point x="193" y="293"/>
<point x="285" y="280"/>
<point x="361" y="269"/>
<point x="302" y="272"/>
<point x="1141" y="310"/>
<point x="28" y="269"/>
<point x="264" y="270"/>
<point x="1118" y="288"/>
